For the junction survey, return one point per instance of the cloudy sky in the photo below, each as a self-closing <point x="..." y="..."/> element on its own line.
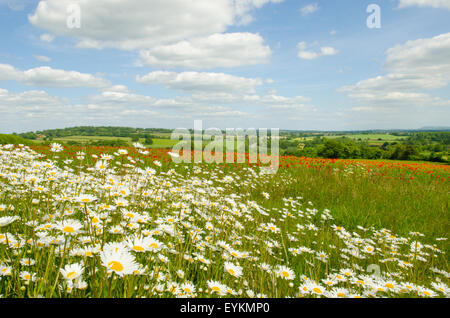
<point x="288" y="64"/>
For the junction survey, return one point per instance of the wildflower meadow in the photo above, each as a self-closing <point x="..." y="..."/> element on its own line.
<point x="101" y="222"/>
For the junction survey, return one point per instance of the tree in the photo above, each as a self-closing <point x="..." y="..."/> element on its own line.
<point x="332" y="149"/>
<point x="148" y="141"/>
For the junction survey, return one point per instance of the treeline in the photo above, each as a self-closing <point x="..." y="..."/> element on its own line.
<point x="420" y="147"/>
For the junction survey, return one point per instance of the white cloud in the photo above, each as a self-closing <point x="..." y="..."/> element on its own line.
<point x="217" y="50"/>
<point x="415" y="66"/>
<point x="328" y="50"/>
<point x="28" y="102"/>
<point x="441" y="4"/>
<point x="45" y="76"/>
<point x="47" y="38"/>
<point x="306" y="54"/>
<point x="310" y="8"/>
<point x="42" y="58"/>
<point x="201" y="82"/>
<point x="16" y="5"/>
<point x="134" y="24"/>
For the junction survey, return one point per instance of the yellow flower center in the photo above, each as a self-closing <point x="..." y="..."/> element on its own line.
<point x="216" y="289"/>
<point x="138" y="248"/>
<point x="285" y="274"/>
<point x="71" y="275"/>
<point x="68" y="229"/>
<point x="231" y="271"/>
<point x="317" y="290"/>
<point x="115" y="266"/>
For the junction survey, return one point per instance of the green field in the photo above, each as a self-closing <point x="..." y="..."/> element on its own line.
<point x="374" y="139"/>
<point x="157" y="142"/>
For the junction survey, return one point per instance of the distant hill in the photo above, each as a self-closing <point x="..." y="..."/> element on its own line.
<point x="435" y="128"/>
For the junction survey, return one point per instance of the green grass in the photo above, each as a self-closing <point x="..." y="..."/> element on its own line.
<point x="15" y="140"/>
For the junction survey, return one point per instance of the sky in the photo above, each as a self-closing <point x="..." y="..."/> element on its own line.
<point x="287" y="64"/>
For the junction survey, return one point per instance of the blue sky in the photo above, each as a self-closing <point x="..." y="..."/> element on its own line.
<point x="232" y="63"/>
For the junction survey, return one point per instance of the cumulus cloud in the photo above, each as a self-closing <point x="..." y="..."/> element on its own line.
<point x="413" y="67"/>
<point x="201" y="82"/>
<point x="46" y="76"/>
<point x="217" y="50"/>
<point x="134" y="24"/>
<point x="439" y="4"/>
<point x="28" y="105"/>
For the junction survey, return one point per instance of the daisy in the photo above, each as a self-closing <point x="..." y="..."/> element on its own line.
<point x="56" y="147"/>
<point x="154" y="245"/>
<point x="5" y="270"/>
<point x="157" y="163"/>
<point x="317" y="289"/>
<point x="27" y="276"/>
<point x="188" y="288"/>
<point x="416" y="246"/>
<point x="27" y="261"/>
<point x="217" y="287"/>
<point x="72" y="272"/>
<point x="233" y="270"/>
<point x="138" y="244"/>
<point x="369" y="249"/>
<point x="7" y="220"/>
<point x="86" y="198"/>
<point x="69" y="227"/>
<point x="117" y="229"/>
<point x="121" y="262"/>
<point x="285" y="272"/>
<point x="101" y="165"/>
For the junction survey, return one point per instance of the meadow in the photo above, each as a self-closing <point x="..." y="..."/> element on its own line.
<point x="129" y="222"/>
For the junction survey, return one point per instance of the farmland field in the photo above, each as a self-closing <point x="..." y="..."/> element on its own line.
<point x="157" y="142"/>
<point x="129" y="222"/>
